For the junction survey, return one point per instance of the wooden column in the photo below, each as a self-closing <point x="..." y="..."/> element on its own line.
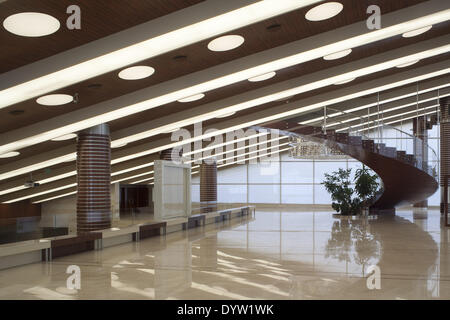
<point x="94" y="179"/>
<point x="208" y="187"/>
<point x="420" y="149"/>
<point x="445" y="144"/>
<point x="167" y="154"/>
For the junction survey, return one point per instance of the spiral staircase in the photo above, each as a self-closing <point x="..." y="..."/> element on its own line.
<point x="406" y="179"/>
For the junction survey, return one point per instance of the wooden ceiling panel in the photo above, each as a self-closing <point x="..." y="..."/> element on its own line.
<point x="293" y="26"/>
<point x="99" y="19"/>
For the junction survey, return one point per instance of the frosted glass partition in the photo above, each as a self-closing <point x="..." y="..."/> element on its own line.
<point x="172" y="190"/>
<point x="298" y="181"/>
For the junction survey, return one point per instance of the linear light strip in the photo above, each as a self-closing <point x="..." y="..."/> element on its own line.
<point x="238" y="149"/>
<point x="229" y="79"/>
<point x="395" y="121"/>
<point x="73" y="173"/>
<point x="387" y="118"/>
<point x="194" y="172"/>
<point x="251" y="158"/>
<point x="370" y="105"/>
<point x="143" y="50"/>
<point x="41" y="193"/>
<point x="55" y="197"/>
<point x="255" y="102"/>
<point x="293" y="112"/>
<point x="227" y="143"/>
<point x="386" y="110"/>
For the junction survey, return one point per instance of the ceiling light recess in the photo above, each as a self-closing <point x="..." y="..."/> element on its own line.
<point x="263" y="77"/>
<point x="136" y="73"/>
<point x="416" y="32"/>
<point x="31" y="24"/>
<point x="195" y="97"/>
<point x="338" y="55"/>
<point x="9" y="154"/>
<point x="324" y="11"/>
<point x="407" y="64"/>
<point x="226" y="43"/>
<point x="54" y="99"/>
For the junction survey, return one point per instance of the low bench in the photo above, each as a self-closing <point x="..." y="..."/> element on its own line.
<point x="67" y="245"/>
<point x="150" y="230"/>
<point x="194" y="221"/>
<point x="23" y="252"/>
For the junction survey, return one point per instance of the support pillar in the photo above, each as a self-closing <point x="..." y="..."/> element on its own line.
<point x="208" y="187"/>
<point x="445" y="144"/>
<point x="420" y="148"/>
<point x="94" y="179"/>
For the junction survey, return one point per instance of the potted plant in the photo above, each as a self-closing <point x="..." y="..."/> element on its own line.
<point x="366" y="185"/>
<point x="346" y="200"/>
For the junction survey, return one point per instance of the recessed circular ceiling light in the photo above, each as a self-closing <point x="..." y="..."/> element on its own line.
<point x="65" y="137"/>
<point x="407" y="64"/>
<point x="324" y="11"/>
<point x="338" y="55"/>
<point x="416" y="32"/>
<point x="31" y="24"/>
<point x="9" y="154"/>
<point x="118" y="145"/>
<point x="136" y="72"/>
<point x="54" y="99"/>
<point x="263" y="77"/>
<point x="226" y="115"/>
<point x="226" y="43"/>
<point x="344" y="81"/>
<point x="195" y="97"/>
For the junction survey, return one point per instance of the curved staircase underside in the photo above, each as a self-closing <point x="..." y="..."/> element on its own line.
<point x="403" y="182"/>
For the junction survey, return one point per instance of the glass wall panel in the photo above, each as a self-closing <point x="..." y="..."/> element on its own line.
<point x="297" y="194"/>
<point x="297" y="172"/>
<point x="237" y="174"/>
<point x="264" y="173"/>
<point x="231" y="193"/>
<point x="268" y="193"/>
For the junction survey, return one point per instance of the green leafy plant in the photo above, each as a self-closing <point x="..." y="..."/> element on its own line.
<point x="366" y="184"/>
<point x="345" y="199"/>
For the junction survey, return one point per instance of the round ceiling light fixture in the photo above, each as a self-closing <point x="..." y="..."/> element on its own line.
<point x="226" y="43"/>
<point x="407" y="64"/>
<point x="226" y="115"/>
<point x="136" y="73"/>
<point x="416" y="32"/>
<point x="195" y="97"/>
<point x="324" y="11"/>
<point x="263" y="77"/>
<point x="31" y="24"/>
<point x="344" y="81"/>
<point x="338" y="55"/>
<point x="118" y="145"/>
<point x="65" y="137"/>
<point x="9" y="154"/>
<point x="54" y="99"/>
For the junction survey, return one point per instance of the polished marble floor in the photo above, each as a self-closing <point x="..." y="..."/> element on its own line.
<point x="279" y="254"/>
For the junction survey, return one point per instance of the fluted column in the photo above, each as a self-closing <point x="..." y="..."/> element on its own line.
<point x="208" y="187"/>
<point x="445" y="144"/>
<point x="167" y="154"/>
<point x="420" y="148"/>
<point x="94" y="179"/>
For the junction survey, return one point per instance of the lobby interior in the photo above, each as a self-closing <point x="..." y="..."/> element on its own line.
<point x="184" y="149"/>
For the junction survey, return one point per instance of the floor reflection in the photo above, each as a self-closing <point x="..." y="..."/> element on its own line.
<point x="279" y="255"/>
